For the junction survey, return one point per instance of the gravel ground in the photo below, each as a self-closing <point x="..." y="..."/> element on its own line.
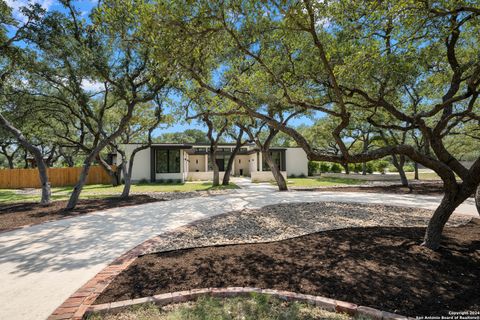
<point x="284" y="221"/>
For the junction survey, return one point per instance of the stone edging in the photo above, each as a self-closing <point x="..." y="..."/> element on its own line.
<point x="184" y="296"/>
<point x="77" y="304"/>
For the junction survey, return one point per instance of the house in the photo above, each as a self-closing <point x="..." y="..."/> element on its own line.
<point x="190" y="162"/>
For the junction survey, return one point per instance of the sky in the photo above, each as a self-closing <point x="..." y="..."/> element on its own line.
<point x="84" y="8"/>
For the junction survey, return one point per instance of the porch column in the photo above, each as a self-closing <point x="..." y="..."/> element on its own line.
<point x="260" y="161"/>
<point x="206" y="163"/>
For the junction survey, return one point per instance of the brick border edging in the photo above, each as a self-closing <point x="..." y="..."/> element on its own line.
<point x="76" y="305"/>
<point x="184" y="296"/>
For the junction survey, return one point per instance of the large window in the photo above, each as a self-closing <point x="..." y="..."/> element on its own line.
<point x="222" y="161"/>
<point x="167" y="161"/>
<point x="277" y="159"/>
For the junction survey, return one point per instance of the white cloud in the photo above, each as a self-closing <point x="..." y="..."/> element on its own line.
<point x="92" y="86"/>
<point x="17" y="4"/>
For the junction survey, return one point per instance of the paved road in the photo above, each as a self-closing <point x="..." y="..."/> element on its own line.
<point x="43" y="265"/>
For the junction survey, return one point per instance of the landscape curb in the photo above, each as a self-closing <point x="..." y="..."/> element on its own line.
<point x="184" y="296"/>
<point x="76" y="305"/>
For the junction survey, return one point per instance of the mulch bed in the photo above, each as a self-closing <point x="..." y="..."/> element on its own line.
<point x="26" y="213"/>
<point x="427" y="188"/>
<point x="380" y="267"/>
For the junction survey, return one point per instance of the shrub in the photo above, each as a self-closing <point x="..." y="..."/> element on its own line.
<point x="302" y="175"/>
<point x="143" y="181"/>
<point x="382" y="166"/>
<point x="355" y="167"/>
<point x="324" y="167"/>
<point x="335" y="168"/>
<point x="313" y="167"/>
<point x="392" y="168"/>
<point x="169" y="181"/>
<point x="292" y="176"/>
<point x="161" y="180"/>
<point x="370" y="167"/>
<point x="408" y="168"/>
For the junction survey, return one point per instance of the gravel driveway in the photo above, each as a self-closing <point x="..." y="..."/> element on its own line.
<point x="288" y="220"/>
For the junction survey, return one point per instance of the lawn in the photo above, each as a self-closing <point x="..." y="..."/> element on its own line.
<point x="322" y="182"/>
<point x="95" y="191"/>
<point x="252" y="308"/>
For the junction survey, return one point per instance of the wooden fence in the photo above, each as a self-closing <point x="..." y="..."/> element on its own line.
<point x="58" y="177"/>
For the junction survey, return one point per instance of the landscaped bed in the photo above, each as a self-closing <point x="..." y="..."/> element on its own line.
<point x="17" y="214"/>
<point x="25" y="213"/>
<point x="380" y="267"/>
<point x="255" y="307"/>
<point x="427" y="188"/>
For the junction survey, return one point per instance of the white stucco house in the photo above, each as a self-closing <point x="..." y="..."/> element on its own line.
<point x="190" y="162"/>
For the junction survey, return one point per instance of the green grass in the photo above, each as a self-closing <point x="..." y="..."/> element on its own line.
<point x="322" y="182"/>
<point x="255" y="307"/>
<point x="96" y="191"/>
<point x="423" y="175"/>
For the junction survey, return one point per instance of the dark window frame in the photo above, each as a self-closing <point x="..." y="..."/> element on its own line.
<point x="168" y="153"/>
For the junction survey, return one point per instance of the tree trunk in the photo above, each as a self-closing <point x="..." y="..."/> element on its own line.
<point x="127" y="174"/>
<point x="477" y="199"/>
<point x="277" y="174"/>
<point x="399" y="165"/>
<point x="72" y="202"/>
<point x="364" y="168"/>
<point x="228" y="169"/>
<point x="216" y="170"/>
<point x="114" y="176"/>
<point x="347" y="169"/>
<point x="37" y="154"/>
<point x="451" y="200"/>
<point x="10" y="162"/>
<point x="416" y="170"/>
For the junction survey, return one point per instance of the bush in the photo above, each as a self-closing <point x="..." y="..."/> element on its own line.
<point x="292" y="176"/>
<point x="143" y="181"/>
<point x="313" y="167"/>
<point x="370" y="167"/>
<point x="392" y="168"/>
<point x="355" y="167"/>
<point x="335" y="168"/>
<point x="302" y="175"/>
<point x="382" y="165"/>
<point x="324" y="167"/>
<point x="408" y="168"/>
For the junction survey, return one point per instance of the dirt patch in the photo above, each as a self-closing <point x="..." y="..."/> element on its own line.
<point x="380" y="267"/>
<point x="26" y="213"/>
<point x="415" y="188"/>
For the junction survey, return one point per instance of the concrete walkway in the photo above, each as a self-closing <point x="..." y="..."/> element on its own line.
<point x="43" y="265"/>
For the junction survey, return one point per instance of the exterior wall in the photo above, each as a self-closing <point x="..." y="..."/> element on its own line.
<point x="141" y="165"/>
<point x="193" y="166"/>
<point x="253" y="163"/>
<point x="242" y="162"/>
<point x="202" y="176"/>
<point x="296" y="161"/>
<point x="265" y="176"/>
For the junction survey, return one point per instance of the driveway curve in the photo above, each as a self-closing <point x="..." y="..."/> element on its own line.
<point x="42" y="265"/>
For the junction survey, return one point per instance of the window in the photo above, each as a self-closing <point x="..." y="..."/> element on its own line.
<point x="167" y="161"/>
<point x="277" y="159"/>
<point x="221" y="159"/>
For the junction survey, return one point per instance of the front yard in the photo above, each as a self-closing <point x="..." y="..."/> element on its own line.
<point x="99" y="191"/>
<point x="252" y="308"/>
<point x="366" y="254"/>
<point x="322" y="182"/>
